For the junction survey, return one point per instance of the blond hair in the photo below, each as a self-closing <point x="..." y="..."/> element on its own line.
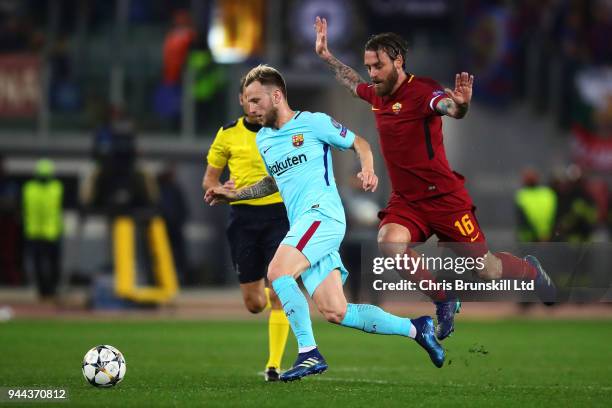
<point x="266" y="75"/>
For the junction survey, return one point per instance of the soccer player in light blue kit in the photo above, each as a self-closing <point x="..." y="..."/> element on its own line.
<point x="295" y="147"/>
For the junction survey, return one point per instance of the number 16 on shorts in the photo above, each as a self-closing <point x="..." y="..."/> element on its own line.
<point x="466" y="227"/>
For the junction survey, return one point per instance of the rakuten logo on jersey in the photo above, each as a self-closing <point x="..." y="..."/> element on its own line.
<point x="280" y="167"/>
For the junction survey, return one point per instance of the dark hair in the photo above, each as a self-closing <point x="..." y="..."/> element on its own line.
<point x="393" y="44"/>
<point x="265" y="75"/>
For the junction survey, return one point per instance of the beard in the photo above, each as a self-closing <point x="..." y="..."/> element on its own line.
<point x="385" y="87"/>
<point x="251" y="118"/>
<point x="269" y="120"/>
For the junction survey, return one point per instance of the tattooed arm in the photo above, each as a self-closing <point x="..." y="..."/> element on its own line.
<point x="221" y="194"/>
<point x="346" y="75"/>
<point x="458" y="103"/>
<point x="450" y="108"/>
<point x="262" y="188"/>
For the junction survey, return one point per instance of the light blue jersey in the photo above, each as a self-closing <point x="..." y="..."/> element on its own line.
<point x="298" y="156"/>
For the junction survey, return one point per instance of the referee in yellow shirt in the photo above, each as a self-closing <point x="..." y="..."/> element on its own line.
<point x="263" y="220"/>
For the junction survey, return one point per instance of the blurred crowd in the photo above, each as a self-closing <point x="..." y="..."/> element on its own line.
<point x="556" y="56"/>
<point x="519" y="50"/>
<point x="155" y="49"/>
<point x="570" y="208"/>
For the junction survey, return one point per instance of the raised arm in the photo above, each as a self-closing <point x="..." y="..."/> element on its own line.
<point x="346" y="75"/>
<point x="221" y="194"/>
<point x="366" y="175"/>
<point x="458" y="103"/>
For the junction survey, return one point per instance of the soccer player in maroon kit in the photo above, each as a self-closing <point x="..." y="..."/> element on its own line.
<point x="427" y="196"/>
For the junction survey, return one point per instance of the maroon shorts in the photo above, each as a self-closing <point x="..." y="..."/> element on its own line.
<point x="449" y="216"/>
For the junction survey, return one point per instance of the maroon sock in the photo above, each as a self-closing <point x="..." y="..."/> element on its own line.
<point x="422" y="274"/>
<point x="515" y="268"/>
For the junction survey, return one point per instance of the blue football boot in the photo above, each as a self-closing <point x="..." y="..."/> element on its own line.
<point x="309" y="363"/>
<point x="544" y="286"/>
<point x="445" y="312"/>
<point x="426" y="339"/>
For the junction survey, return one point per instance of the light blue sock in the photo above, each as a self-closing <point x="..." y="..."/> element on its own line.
<point x="295" y="306"/>
<point x="372" y="319"/>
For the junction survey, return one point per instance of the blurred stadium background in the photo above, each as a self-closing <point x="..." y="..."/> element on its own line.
<point x="123" y="98"/>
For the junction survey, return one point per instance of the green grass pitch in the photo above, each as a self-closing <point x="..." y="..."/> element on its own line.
<point x="207" y="363"/>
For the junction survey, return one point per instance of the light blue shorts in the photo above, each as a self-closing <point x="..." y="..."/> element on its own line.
<point x="318" y="237"/>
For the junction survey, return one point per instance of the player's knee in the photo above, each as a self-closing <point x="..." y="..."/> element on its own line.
<point x="387" y="248"/>
<point x="254" y="307"/>
<point x="383" y="237"/>
<point x="255" y="304"/>
<point x="392" y="242"/>
<point x="275" y="271"/>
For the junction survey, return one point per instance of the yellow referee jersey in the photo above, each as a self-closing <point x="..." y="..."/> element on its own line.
<point x="235" y="146"/>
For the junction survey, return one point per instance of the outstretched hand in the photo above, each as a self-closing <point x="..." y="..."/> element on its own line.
<point x="320" y="27"/>
<point x="462" y="94"/>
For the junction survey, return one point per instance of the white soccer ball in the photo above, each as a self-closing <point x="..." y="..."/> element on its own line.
<point x="104" y="366"/>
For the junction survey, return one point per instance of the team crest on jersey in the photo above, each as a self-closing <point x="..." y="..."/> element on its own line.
<point x="297" y="140"/>
<point x="397" y="107"/>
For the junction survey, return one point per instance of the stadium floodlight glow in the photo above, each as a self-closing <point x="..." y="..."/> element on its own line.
<point x="236" y="31"/>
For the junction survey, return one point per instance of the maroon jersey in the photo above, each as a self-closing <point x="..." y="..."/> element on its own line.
<point x="411" y="139"/>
